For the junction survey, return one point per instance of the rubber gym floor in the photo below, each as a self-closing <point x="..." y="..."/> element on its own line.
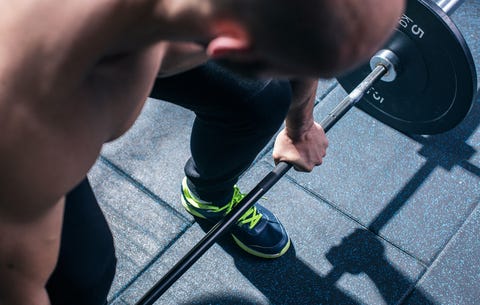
<point x="387" y="219"/>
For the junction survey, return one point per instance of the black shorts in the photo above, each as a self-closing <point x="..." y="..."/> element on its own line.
<point x="86" y="263"/>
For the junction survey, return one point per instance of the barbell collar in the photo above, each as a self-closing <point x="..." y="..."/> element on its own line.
<point x="389" y="60"/>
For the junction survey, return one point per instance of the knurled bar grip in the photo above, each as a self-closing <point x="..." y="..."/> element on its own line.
<point x="253" y="196"/>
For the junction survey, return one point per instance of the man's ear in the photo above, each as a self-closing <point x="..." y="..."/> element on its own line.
<point x="229" y="38"/>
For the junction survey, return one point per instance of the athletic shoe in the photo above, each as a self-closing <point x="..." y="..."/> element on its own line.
<point x="258" y="231"/>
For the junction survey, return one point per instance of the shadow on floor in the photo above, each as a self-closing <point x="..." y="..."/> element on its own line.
<point x="290" y="281"/>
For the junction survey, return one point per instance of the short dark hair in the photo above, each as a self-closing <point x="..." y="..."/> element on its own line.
<point x="298" y="29"/>
<point x="328" y="36"/>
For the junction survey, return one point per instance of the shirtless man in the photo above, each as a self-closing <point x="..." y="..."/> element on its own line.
<point x="74" y="75"/>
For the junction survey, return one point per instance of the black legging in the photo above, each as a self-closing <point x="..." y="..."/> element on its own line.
<point x="235" y="120"/>
<point x="86" y="262"/>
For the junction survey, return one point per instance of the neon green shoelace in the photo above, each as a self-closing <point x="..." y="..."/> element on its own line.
<point x="251" y="217"/>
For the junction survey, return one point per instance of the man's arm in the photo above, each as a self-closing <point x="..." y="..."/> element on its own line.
<point x="63" y="93"/>
<point x="29" y="249"/>
<point x="302" y="142"/>
<point x="43" y="154"/>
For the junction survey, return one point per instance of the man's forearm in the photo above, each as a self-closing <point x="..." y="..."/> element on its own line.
<point x="300" y="114"/>
<point x="303" y="142"/>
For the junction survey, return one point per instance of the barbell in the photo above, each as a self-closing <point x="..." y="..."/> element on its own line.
<point x="423" y="81"/>
<point x="431" y="82"/>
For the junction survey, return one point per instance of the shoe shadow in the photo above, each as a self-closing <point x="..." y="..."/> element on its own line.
<point x="289" y="280"/>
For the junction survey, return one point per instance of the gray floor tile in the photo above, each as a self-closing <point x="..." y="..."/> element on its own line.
<point x="142" y="227"/>
<point x="322" y="238"/>
<point x="327" y="243"/>
<point x="212" y="277"/>
<point x="467" y="19"/>
<point x="455" y="276"/>
<point x="415" y="194"/>
<point x="154" y="151"/>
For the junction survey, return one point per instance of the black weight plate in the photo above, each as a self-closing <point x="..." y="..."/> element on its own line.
<point x="436" y="81"/>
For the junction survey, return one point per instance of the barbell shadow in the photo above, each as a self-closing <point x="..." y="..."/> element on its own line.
<point x="289" y="280"/>
<point x="454" y="142"/>
<point x="445" y="150"/>
<point x="436" y="150"/>
<point x="435" y="158"/>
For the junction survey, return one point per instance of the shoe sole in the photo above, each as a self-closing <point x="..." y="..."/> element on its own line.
<point x="187" y="207"/>
<point x="260" y="254"/>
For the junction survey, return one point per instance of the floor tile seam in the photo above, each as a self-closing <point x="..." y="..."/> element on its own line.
<point x="412" y="288"/>
<point x="119" y="293"/>
<point x="437" y="258"/>
<point x="138" y="185"/>
<point x="345" y="214"/>
<point x="113" y="212"/>
<point x="267" y="150"/>
<point x="453" y="236"/>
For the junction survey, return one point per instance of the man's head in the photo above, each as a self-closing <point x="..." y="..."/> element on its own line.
<point x="320" y="38"/>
